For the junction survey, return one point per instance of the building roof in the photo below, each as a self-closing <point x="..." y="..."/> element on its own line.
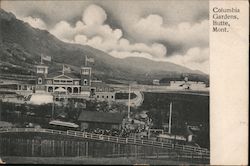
<point x="65" y="124"/>
<point x="60" y="89"/>
<point x="101" y="117"/>
<point x="98" y="84"/>
<point x="5" y="124"/>
<point x="39" y="99"/>
<point x="42" y="65"/>
<point x="71" y="75"/>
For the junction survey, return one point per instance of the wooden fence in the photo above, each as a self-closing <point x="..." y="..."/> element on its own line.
<point x="179" y="151"/>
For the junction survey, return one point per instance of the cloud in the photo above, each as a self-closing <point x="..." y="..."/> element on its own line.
<point x="35" y="22"/>
<point x="94" y="15"/>
<point x="55" y="11"/>
<point x="195" y="58"/>
<point x="153" y="28"/>
<point x="126" y="54"/>
<point x="92" y="29"/>
<point x="64" y="31"/>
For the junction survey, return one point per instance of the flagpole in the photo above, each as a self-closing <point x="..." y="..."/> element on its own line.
<point x="41" y="59"/>
<point x="85" y="60"/>
<point x="63" y="69"/>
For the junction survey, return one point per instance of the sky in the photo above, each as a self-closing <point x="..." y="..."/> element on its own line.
<point x="161" y="30"/>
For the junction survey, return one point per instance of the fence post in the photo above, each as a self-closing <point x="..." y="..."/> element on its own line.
<point x="78" y="148"/>
<point x="32" y="147"/>
<point x="53" y="147"/>
<point x="118" y="151"/>
<point x="87" y="148"/>
<point x="135" y="151"/>
<point x="62" y="147"/>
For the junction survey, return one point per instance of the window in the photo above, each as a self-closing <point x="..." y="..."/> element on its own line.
<point x="40" y="70"/>
<point x="107" y="97"/>
<point x="49" y="82"/>
<point x="102" y="96"/>
<point x="85" y="82"/>
<point x="63" y="81"/>
<point x="97" y="96"/>
<point x="112" y="97"/>
<point x="40" y="80"/>
<point x="85" y="71"/>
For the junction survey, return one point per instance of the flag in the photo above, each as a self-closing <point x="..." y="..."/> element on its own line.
<point x="91" y="60"/>
<point x="46" y="58"/>
<point x="66" y="68"/>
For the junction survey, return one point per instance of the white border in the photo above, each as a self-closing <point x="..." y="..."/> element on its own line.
<point x="229" y="88"/>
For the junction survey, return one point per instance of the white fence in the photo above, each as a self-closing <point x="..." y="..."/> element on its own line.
<point x="184" y="149"/>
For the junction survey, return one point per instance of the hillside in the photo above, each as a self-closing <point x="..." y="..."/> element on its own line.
<point x="21" y="46"/>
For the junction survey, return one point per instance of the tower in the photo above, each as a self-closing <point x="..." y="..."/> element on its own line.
<point x="41" y="74"/>
<point x="85" y="79"/>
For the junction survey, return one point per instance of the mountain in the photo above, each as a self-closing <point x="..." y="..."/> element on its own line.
<point x="22" y="45"/>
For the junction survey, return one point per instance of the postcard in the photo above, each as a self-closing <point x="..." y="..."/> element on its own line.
<point x="124" y="82"/>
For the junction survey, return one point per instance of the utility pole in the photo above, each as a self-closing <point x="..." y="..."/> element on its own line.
<point x="129" y="89"/>
<point x="0" y="108"/>
<point x="53" y="109"/>
<point x="170" y="117"/>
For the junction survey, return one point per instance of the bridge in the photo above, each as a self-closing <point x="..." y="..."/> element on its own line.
<point x="185" y="151"/>
<point x="137" y="101"/>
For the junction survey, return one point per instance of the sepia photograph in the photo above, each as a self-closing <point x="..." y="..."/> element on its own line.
<point x="114" y="82"/>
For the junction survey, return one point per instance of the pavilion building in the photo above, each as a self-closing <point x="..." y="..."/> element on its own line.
<point x="74" y="84"/>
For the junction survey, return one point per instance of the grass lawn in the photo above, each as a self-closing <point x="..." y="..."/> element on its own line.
<point x="87" y="161"/>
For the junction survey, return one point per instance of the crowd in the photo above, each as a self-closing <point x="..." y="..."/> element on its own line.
<point x="129" y="128"/>
<point x="125" y="133"/>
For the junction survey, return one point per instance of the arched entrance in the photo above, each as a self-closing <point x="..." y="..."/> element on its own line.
<point x="92" y="91"/>
<point x="75" y="90"/>
<point x="69" y="89"/>
<point x="50" y="89"/>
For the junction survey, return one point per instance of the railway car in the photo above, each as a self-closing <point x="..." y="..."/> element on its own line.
<point x="61" y="125"/>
